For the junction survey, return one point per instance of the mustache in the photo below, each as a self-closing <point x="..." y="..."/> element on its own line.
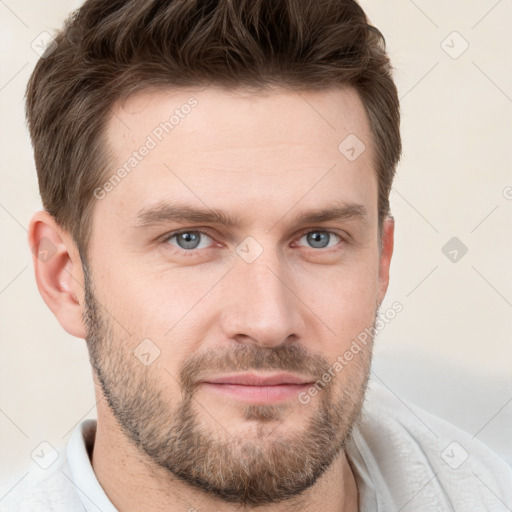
<point x="293" y="358"/>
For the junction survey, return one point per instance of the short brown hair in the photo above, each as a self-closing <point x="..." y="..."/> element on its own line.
<point x="109" y="49"/>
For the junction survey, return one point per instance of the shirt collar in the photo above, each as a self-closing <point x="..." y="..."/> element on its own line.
<point x="89" y="490"/>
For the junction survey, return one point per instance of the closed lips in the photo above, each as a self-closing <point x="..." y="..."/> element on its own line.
<point x="251" y="379"/>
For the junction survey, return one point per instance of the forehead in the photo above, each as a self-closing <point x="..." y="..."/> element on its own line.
<point x="234" y="148"/>
<point x="197" y="115"/>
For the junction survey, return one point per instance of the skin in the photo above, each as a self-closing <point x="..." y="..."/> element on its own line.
<point x="164" y="440"/>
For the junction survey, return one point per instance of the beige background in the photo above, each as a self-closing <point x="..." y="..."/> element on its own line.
<point x="449" y="350"/>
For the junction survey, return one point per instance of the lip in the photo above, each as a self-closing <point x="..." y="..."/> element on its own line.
<point x="258" y="389"/>
<point x="253" y="379"/>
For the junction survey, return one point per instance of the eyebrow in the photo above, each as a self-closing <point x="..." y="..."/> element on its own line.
<point x="164" y="212"/>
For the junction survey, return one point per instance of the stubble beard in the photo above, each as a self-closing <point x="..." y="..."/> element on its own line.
<point x="266" y="465"/>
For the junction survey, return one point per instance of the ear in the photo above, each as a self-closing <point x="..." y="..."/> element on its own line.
<point x="58" y="271"/>
<point x="388" y="235"/>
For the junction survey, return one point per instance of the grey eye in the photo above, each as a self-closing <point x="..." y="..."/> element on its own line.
<point x="321" y="239"/>
<point x="190" y="240"/>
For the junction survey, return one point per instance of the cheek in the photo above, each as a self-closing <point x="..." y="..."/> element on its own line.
<point x="344" y="299"/>
<point x="158" y="304"/>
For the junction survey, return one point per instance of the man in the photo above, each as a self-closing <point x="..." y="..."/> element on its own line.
<point x="216" y="178"/>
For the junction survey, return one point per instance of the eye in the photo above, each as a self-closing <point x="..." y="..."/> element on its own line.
<point x="189" y="240"/>
<point x="321" y="239"/>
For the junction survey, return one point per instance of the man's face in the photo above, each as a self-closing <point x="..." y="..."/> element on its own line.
<point x="266" y="293"/>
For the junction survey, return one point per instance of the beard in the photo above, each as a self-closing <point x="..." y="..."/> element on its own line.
<point x="259" y="465"/>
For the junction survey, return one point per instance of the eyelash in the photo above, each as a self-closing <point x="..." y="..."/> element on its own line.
<point x="193" y="252"/>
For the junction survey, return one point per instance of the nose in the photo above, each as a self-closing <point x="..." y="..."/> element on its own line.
<point x="264" y="308"/>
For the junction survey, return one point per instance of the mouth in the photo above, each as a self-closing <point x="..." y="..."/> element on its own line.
<point x="253" y="388"/>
